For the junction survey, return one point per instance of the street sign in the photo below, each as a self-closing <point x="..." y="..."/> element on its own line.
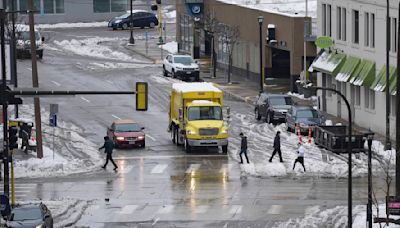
<point x="53" y="109"/>
<point x="394" y="205"/>
<point x="324" y="42"/>
<point x="53" y="120"/>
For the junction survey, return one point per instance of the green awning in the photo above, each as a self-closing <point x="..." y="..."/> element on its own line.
<point x="380" y="81"/>
<point x="364" y="75"/>
<point x="348" y="68"/>
<point x="328" y="63"/>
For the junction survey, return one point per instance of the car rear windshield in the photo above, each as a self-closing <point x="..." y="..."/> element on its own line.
<point x="309" y="113"/>
<point x="26" y="214"/>
<point x="281" y="101"/>
<point x="127" y="127"/>
<point x="205" y="113"/>
<point x="183" y="60"/>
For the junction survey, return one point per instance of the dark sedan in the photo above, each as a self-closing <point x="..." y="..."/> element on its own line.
<point x="140" y="19"/>
<point x="305" y="117"/>
<point x="30" y="215"/>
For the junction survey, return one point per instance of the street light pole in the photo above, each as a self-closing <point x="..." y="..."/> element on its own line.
<point x="398" y="115"/>
<point x="131" y="39"/>
<point x="370" y="136"/>
<point x="305" y="43"/>
<point x="350" y="149"/>
<point x="387" y="143"/>
<point x="260" y="23"/>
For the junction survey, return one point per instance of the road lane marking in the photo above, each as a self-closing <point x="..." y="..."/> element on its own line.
<point x="155" y="221"/>
<point x="109" y="81"/>
<point x="166" y="209"/>
<point x="193" y="168"/>
<point x="55" y="83"/>
<point x="30" y="69"/>
<point x="151" y="137"/>
<point x="167" y="156"/>
<point x="116" y="117"/>
<point x="85" y="99"/>
<point x="225" y="168"/>
<point x="128" y="209"/>
<point x="126" y="169"/>
<point x="236" y="209"/>
<point x="201" y="209"/>
<point x="275" y="210"/>
<point x="159" y="168"/>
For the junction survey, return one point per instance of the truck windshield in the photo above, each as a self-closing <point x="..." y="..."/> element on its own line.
<point x="281" y="101"/>
<point x="309" y="113"/>
<point x="205" y="113"/>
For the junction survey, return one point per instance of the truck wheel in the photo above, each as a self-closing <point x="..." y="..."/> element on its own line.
<point x="257" y="114"/>
<point x="173" y="135"/>
<point x="225" y="149"/>
<point x="188" y="148"/>
<point x="177" y="136"/>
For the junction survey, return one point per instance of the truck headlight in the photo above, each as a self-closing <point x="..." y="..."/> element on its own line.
<point x="120" y="138"/>
<point x="191" y="132"/>
<point x="224" y="131"/>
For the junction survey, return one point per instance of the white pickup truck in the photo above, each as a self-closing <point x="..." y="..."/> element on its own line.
<point x="182" y="67"/>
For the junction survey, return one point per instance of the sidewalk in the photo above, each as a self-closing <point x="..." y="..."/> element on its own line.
<point x="240" y="87"/>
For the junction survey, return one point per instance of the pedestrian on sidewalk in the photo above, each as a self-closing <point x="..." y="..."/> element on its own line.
<point x="108" y="149"/>
<point x="243" y="148"/>
<point x="277" y="147"/>
<point x="300" y="156"/>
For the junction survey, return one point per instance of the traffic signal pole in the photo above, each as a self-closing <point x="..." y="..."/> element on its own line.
<point x="4" y="103"/>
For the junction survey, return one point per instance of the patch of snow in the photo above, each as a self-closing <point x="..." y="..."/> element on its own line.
<point x="114" y="65"/>
<point x="301" y="96"/>
<point x="73" y="25"/>
<point x="328" y="122"/>
<point x="171" y="47"/>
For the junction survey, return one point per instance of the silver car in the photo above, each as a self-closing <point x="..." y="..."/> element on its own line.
<point x="305" y="116"/>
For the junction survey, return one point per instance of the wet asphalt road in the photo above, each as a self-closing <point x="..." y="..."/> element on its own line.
<point x="160" y="186"/>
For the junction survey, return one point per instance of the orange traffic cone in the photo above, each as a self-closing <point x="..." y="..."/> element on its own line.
<point x="298" y="132"/>
<point x="309" y="134"/>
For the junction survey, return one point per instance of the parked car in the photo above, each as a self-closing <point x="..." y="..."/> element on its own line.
<point x="23" y="42"/>
<point x="305" y="116"/>
<point x="141" y="19"/>
<point x="272" y="107"/>
<point x="30" y="215"/>
<point x="181" y="66"/>
<point x="126" y="133"/>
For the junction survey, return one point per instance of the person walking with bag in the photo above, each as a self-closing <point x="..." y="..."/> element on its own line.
<point x="108" y="149"/>
<point x="243" y="148"/>
<point x="300" y="156"/>
<point x="277" y="147"/>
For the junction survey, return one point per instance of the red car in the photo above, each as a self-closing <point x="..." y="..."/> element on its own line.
<point x="126" y="133"/>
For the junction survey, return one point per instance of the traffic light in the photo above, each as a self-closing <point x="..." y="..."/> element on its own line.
<point x="155" y="7"/>
<point x="12" y="138"/>
<point x="141" y="96"/>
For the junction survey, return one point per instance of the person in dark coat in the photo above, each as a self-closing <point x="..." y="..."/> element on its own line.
<point x="277" y="147"/>
<point x="243" y="148"/>
<point x="108" y="149"/>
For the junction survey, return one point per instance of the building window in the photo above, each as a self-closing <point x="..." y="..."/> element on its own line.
<point x="23" y="5"/>
<point x="118" y="5"/>
<point x="329" y="20"/>
<point x="339" y="23"/>
<point x="48" y="7"/>
<point x="372" y="30"/>
<point x="393" y="37"/>
<point x="356" y="27"/>
<point x="324" y="19"/>
<point x="366" y="29"/>
<point x="369" y="96"/>
<point x="107" y="6"/>
<point x="344" y="24"/>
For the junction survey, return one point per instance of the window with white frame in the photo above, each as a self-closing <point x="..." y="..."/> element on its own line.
<point x="372" y="30"/>
<point x="357" y="92"/>
<point x="344" y="24"/>
<point x="339" y="23"/>
<point x="366" y="29"/>
<point x="393" y="105"/>
<point x="369" y="96"/>
<point x="393" y="37"/>
<point x="329" y="20"/>
<point x="48" y="6"/>
<point x="324" y="19"/>
<point x="356" y="26"/>
<point x="107" y="6"/>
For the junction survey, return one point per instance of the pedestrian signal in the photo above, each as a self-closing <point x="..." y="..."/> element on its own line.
<point x="141" y="96"/>
<point x="154" y="7"/>
<point x="13" y="138"/>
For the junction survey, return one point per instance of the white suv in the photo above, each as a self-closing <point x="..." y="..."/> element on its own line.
<point x="181" y="66"/>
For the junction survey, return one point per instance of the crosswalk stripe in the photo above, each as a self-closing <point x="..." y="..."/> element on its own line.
<point x="126" y="169"/>
<point x="166" y="209"/>
<point x="201" y="209"/>
<point x="275" y="210"/>
<point x="128" y="209"/>
<point x="159" y="168"/>
<point x="236" y="209"/>
<point x="193" y="167"/>
<point x="226" y="168"/>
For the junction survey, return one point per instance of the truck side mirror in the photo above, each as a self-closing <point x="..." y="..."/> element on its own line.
<point x="180" y="114"/>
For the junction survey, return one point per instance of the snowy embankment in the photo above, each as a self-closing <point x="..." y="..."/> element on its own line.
<point x="171" y="47"/>
<point x="73" y="154"/>
<point x="336" y="217"/>
<point x="318" y="162"/>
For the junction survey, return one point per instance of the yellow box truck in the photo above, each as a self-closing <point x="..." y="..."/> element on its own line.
<point x="196" y="116"/>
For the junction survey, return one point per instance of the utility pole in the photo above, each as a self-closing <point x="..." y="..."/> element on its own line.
<point x="398" y="116"/>
<point x="305" y="43"/>
<point x="387" y="142"/>
<point x="131" y="39"/>
<point x="35" y="80"/>
<point x="4" y="104"/>
<point x="13" y="53"/>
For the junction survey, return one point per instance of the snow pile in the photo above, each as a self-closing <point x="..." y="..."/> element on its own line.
<point x="318" y="162"/>
<point x="113" y="65"/>
<point x="72" y="25"/>
<point x="95" y="47"/>
<point x="301" y="96"/>
<point x="171" y="47"/>
<point x="73" y="153"/>
<point x="286" y="7"/>
<point x="170" y="17"/>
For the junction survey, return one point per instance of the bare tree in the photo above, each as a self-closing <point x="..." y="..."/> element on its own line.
<point x="210" y="27"/>
<point x="229" y="36"/>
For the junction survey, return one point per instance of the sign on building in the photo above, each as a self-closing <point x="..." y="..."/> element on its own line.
<point x="394" y="205"/>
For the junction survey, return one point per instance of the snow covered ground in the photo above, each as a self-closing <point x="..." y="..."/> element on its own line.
<point x="73" y="25"/>
<point x="318" y="162"/>
<point x="72" y="154"/>
<point x="171" y="47"/>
